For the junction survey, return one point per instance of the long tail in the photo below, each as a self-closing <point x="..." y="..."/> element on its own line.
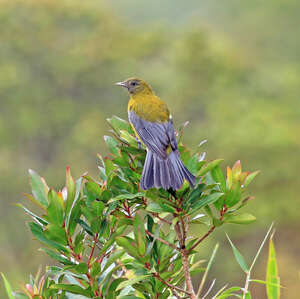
<point x="165" y="173"/>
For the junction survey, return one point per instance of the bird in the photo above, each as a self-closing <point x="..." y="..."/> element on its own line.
<point x="152" y="123"/>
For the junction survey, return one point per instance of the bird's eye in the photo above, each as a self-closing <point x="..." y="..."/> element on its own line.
<point x="133" y="83"/>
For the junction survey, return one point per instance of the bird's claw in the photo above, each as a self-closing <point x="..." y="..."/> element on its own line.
<point x="139" y="143"/>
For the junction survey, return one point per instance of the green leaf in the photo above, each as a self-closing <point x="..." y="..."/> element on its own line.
<point x="205" y="200"/>
<point x="96" y="269"/>
<point x="55" y="208"/>
<point x="218" y="176"/>
<point x="195" y="194"/>
<point x="85" y="226"/>
<point x="248" y="295"/>
<point x="236" y="170"/>
<point x="56" y="233"/>
<point x="239" y="258"/>
<point x="39" y="188"/>
<point x="37" y="231"/>
<point x="244" y="218"/>
<point x="154" y="207"/>
<point x="112" y="144"/>
<point x="131" y="140"/>
<point x="272" y="277"/>
<point x="234" y="195"/>
<point x="139" y="235"/>
<point x="132" y="281"/>
<point x="266" y="283"/>
<point x="93" y="190"/>
<point x="167" y="208"/>
<point x="72" y="288"/>
<point x="119" y="124"/>
<point x="209" y="167"/>
<point x="113" y="258"/>
<point x="57" y="256"/>
<point x="35" y="217"/>
<point x="113" y="286"/>
<point x="71" y="190"/>
<point x="75" y="209"/>
<point x="129" y="245"/>
<point x="251" y="177"/>
<point x="127" y="196"/>
<point x="7" y="287"/>
<point x="81" y="268"/>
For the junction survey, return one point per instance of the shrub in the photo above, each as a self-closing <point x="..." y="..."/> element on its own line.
<point x="113" y="240"/>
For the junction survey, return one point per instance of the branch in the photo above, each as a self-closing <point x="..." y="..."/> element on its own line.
<point x="171" y="286"/>
<point x="93" y="249"/>
<point x="184" y="229"/>
<point x="185" y="258"/>
<point x="179" y="235"/>
<point x="203" y="238"/>
<point x="162" y="240"/>
<point x="187" y="274"/>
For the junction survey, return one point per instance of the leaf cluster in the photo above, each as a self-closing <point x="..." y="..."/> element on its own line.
<point x="111" y="239"/>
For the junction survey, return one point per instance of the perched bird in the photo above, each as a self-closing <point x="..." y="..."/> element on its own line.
<point x="152" y="123"/>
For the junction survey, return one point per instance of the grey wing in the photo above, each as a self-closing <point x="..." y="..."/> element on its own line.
<point x="156" y="136"/>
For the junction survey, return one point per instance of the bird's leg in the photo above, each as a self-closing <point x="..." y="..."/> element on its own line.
<point x="139" y="143"/>
<point x="172" y="192"/>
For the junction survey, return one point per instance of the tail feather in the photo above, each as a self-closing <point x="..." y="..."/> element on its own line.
<point x="147" y="179"/>
<point x="165" y="173"/>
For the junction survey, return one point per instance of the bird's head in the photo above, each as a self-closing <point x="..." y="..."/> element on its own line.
<point x="136" y="86"/>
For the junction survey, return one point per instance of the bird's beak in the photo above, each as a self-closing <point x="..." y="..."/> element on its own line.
<point x="123" y="84"/>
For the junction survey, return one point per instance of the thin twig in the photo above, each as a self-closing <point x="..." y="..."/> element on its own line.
<point x="93" y="249"/>
<point x="209" y="289"/>
<point x="203" y="238"/>
<point x="245" y="290"/>
<point x="171" y="286"/>
<point x="162" y="240"/>
<point x="161" y="219"/>
<point x="207" y="269"/>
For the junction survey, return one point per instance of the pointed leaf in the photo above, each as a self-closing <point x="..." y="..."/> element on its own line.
<point x="119" y="124"/>
<point x="239" y="258"/>
<point x="218" y="176"/>
<point x="244" y="218"/>
<point x="229" y="178"/>
<point x="139" y="235"/>
<point x="251" y="177"/>
<point x="272" y="278"/>
<point x="132" y="281"/>
<point x="7" y="287"/>
<point x="72" y="288"/>
<point x="55" y="208"/>
<point x="204" y="201"/>
<point x="209" y="167"/>
<point x="71" y="189"/>
<point x="39" y="188"/>
<point x="112" y="145"/>
<point x="57" y="256"/>
<point x="37" y="231"/>
<point x="236" y="169"/>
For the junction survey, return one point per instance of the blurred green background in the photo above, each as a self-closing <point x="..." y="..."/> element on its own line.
<point x="232" y="68"/>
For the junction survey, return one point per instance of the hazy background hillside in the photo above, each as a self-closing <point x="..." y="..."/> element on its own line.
<point x="230" y="67"/>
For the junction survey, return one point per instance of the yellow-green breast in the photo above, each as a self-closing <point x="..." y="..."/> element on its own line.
<point x="149" y="107"/>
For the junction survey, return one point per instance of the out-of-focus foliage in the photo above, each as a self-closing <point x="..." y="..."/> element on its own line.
<point x="230" y="68"/>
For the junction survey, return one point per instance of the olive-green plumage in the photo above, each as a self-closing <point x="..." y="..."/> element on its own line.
<point x="152" y="123"/>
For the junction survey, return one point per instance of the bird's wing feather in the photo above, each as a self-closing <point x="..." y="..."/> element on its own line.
<point x="157" y="136"/>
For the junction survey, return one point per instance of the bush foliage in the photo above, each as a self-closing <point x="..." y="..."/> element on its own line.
<point x="111" y="239"/>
